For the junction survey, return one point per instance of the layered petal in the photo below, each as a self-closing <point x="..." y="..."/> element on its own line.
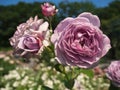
<point x="30" y="37"/>
<point x="79" y="41"/>
<point x="92" y="18"/>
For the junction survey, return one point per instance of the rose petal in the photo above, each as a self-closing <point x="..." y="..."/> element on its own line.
<point x="43" y="27"/>
<point x="46" y="43"/>
<point x="54" y="38"/>
<point x="106" y="45"/>
<point x="92" y="18"/>
<point x="63" y="24"/>
<point x="20" y="44"/>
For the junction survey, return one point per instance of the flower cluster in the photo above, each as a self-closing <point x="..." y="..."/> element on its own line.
<point x="77" y="41"/>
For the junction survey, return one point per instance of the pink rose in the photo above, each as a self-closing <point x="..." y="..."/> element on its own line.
<point x="48" y="9"/>
<point x="30" y="37"/>
<point x="113" y="73"/>
<point x="79" y="41"/>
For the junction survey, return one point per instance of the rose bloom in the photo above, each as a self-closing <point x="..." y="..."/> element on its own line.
<point x="48" y="9"/>
<point x="113" y="73"/>
<point x="30" y="37"/>
<point x="79" y="41"/>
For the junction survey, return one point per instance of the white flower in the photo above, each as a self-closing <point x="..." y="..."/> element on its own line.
<point x="12" y="75"/>
<point x="1" y="68"/>
<point x="44" y="76"/>
<point x="49" y="83"/>
<point x="16" y="84"/>
<point x="25" y="80"/>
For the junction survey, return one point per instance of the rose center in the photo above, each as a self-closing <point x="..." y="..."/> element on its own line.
<point x="83" y="39"/>
<point x="31" y="43"/>
<point x="82" y="42"/>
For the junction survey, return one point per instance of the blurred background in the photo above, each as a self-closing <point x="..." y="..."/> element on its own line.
<point x="14" y="12"/>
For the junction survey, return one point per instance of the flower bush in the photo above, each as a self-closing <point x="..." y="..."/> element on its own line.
<point x="69" y="53"/>
<point x="23" y="78"/>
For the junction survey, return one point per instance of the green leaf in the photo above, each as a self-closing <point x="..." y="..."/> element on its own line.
<point x="47" y="54"/>
<point x="88" y="72"/>
<point x="77" y="70"/>
<point x="69" y="83"/>
<point x="59" y="68"/>
<point x="46" y="88"/>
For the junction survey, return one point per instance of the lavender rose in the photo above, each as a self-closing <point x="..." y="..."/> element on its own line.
<point x="48" y="9"/>
<point x="79" y="41"/>
<point x="113" y="73"/>
<point x="30" y="37"/>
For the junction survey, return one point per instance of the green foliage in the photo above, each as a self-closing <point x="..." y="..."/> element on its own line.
<point x="87" y="72"/>
<point x="69" y="83"/>
<point x="47" y="78"/>
<point x="60" y="68"/>
<point x="74" y="9"/>
<point x="6" y="67"/>
<point x="47" y="55"/>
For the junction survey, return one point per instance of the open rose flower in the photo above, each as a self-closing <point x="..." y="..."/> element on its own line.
<point x="30" y="37"/>
<point x="79" y="41"/>
<point x="113" y="73"/>
<point x="48" y="9"/>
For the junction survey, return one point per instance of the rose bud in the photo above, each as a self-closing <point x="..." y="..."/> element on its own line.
<point x="48" y="9"/>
